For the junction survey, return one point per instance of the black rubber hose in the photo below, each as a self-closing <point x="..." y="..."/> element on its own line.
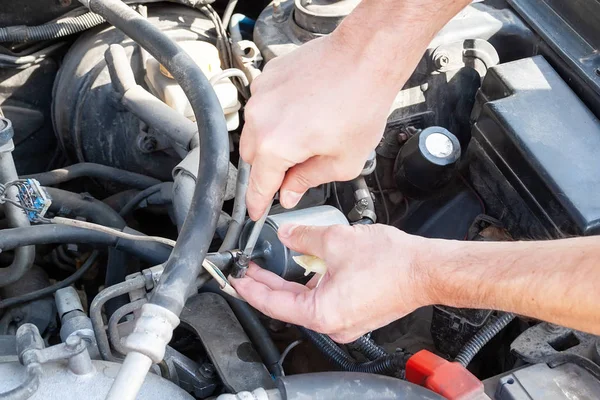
<point x="368" y="348"/>
<point x="258" y="334"/>
<point x="51" y="30"/>
<point x="481" y="338"/>
<point x="391" y="364"/>
<point x="83" y="205"/>
<point x="49" y="290"/>
<point x="198" y="230"/>
<point x="92" y="170"/>
<point x="141" y="196"/>
<point x="350" y="386"/>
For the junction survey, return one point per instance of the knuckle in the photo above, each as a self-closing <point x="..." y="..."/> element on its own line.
<point x="304" y="180"/>
<point x="258" y="189"/>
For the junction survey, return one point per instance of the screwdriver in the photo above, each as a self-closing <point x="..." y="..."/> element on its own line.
<point x="241" y="264"/>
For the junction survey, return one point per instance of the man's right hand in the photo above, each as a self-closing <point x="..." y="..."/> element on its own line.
<point x="372" y="279"/>
<point x="314" y="117"/>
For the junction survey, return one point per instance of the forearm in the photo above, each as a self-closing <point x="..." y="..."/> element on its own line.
<point x="390" y="36"/>
<point x="555" y="281"/>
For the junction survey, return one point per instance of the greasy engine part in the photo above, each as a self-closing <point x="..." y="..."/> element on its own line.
<point x="91" y="124"/>
<point x="117" y="106"/>
<point x="79" y="378"/>
<point x="271" y="254"/>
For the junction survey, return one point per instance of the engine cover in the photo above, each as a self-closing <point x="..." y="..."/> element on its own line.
<point x="533" y="133"/>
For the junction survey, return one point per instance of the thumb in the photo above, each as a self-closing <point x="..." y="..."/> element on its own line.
<point x="305" y="239"/>
<point x="301" y="177"/>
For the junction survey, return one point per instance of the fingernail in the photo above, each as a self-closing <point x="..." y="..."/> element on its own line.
<point x="289" y="199"/>
<point x="286" y="230"/>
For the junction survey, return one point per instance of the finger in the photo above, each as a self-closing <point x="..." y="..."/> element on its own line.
<point x="247" y="143"/>
<point x="345" y="337"/>
<point x="273" y="281"/>
<point x="265" y="179"/>
<point x="305" y="239"/>
<point x="294" y="308"/>
<point x="301" y="177"/>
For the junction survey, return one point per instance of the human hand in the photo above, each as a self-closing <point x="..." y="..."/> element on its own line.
<point x="373" y="278"/>
<point x="314" y="117"/>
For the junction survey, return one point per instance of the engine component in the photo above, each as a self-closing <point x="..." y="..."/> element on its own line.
<point x="230" y="350"/>
<point x="427" y="162"/>
<point x="532" y="161"/>
<point x="74" y="321"/>
<point x="541" y="382"/>
<point x="78" y="379"/>
<point x="545" y="341"/>
<point x="40" y="312"/>
<point x="451" y="380"/>
<point x="451" y="328"/>
<point x="206" y="55"/>
<point x="271" y="254"/>
<point x="91" y="125"/>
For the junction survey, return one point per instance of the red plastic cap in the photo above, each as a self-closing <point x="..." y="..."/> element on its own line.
<point x="449" y="379"/>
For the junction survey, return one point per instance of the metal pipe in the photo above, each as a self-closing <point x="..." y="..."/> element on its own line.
<point x="24" y="256"/>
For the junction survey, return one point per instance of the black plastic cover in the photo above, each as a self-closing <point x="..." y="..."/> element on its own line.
<point x="545" y="142"/>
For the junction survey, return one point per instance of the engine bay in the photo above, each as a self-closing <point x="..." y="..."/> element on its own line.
<point x="122" y="195"/>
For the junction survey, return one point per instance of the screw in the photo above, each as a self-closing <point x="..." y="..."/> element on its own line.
<point x="441" y="60"/>
<point x="207" y="370"/>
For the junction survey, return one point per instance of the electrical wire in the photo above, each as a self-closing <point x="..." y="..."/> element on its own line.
<point x="287" y="350"/>
<point x="105" y="229"/>
<point x="228" y="13"/>
<point x="229" y="73"/>
<point x="337" y="198"/>
<point x="383" y="200"/>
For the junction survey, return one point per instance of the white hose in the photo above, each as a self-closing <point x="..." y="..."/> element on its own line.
<point x="130" y="378"/>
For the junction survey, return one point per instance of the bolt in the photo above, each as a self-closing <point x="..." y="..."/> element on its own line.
<point x="207" y="370"/>
<point x="364" y="202"/>
<point x="148" y="144"/>
<point x="402" y="137"/>
<point x="597" y="71"/>
<point x="553" y="328"/>
<point x="441" y="60"/>
<point x="72" y="342"/>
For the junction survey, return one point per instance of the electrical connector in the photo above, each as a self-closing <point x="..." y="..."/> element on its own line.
<point x="31" y="197"/>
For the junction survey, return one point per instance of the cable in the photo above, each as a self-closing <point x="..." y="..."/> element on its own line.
<point x="385" y="207"/>
<point x="481" y="338"/>
<point x="101" y="228"/>
<point x="229" y="9"/>
<point x="229" y="73"/>
<point x="337" y="198"/>
<point x="47" y="291"/>
<point x="287" y="350"/>
<point x="92" y="170"/>
<point x="63" y="26"/>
